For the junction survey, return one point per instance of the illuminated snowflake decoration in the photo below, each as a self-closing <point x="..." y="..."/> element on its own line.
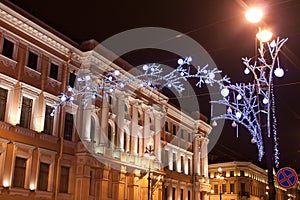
<point x="248" y="102"/>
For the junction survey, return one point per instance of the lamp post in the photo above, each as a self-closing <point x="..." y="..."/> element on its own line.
<point x="254" y="15"/>
<point x="220" y="177"/>
<point x="149" y="153"/>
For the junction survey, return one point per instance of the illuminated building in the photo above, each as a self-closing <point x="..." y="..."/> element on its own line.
<point x="42" y="157"/>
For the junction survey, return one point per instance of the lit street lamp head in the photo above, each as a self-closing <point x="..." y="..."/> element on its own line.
<point x="254" y="15"/>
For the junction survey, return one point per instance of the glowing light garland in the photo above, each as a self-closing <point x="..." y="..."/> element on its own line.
<point x="244" y="101"/>
<point x="247" y="103"/>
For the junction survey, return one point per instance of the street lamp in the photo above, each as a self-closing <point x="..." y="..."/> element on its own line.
<point x="221" y="178"/>
<point x="150" y="154"/>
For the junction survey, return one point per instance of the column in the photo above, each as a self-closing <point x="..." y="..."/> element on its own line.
<point x="134" y="128"/>
<point x="104" y="183"/>
<point x="104" y="121"/>
<point x="204" y="157"/>
<point x="119" y="184"/>
<point x="146" y="132"/>
<point x="158" y="122"/>
<point x="120" y="120"/>
<point x="133" y="186"/>
<point x="40" y="115"/>
<point x="196" y="155"/>
<point x="85" y="121"/>
<point x="15" y="105"/>
<point x="82" y="182"/>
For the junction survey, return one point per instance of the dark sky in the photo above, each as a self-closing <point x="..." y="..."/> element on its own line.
<point x="219" y="26"/>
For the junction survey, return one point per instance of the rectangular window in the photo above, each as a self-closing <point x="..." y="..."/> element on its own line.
<point x="32" y="60"/>
<point x="174" y="162"/>
<point x="216" y="189"/>
<point x="68" y="129"/>
<point x="72" y="79"/>
<point x="64" y="179"/>
<point x="8" y="48"/>
<point x="242" y="173"/>
<point x="19" y="172"/>
<point x="166" y="193"/>
<point x="166" y="126"/>
<point x="243" y="188"/>
<point x="189" y="195"/>
<point x="189" y="166"/>
<point x="231" y="188"/>
<point x="53" y="71"/>
<point x="182" y="163"/>
<point x="231" y="173"/>
<point x="189" y="137"/>
<point x="182" y="134"/>
<point x="174" y="130"/>
<point x="173" y="192"/>
<point x="224" y="188"/>
<point x="48" y="123"/>
<point x="166" y="157"/>
<point x="181" y="194"/>
<point x="26" y="112"/>
<point x="43" y="177"/>
<point x="3" y="100"/>
<point x="92" y="183"/>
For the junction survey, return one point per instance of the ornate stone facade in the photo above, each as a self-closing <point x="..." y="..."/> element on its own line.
<point x="97" y="152"/>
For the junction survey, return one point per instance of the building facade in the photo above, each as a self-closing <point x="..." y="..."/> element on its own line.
<point x="87" y="152"/>
<point x="240" y="180"/>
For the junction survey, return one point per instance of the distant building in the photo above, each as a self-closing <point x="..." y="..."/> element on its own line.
<point x="43" y="157"/>
<point x="240" y="180"/>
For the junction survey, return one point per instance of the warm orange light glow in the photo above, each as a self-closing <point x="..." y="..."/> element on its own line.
<point x="5" y="183"/>
<point x="254" y="15"/>
<point x="264" y="35"/>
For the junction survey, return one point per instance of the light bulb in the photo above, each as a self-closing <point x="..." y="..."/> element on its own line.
<point x="229" y="110"/>
<point x="239" y="97"/>
<point x="63" y="98"/>
<point x="211" y="75"/>
<point x="264" y="35"/>
<point x="238" y="115"/>
<point x="279" y="72"/>
<point x="233" y="124"/>
<point x="71" y="98"/>
<point x="224" y="92"/>
<point x="180" y="61"/>
<point x="265" y="101"/>
<point x="273" y="44"/>
<point x="253" y="140"/>
<point x="117" y="72"/>
<point x="87" y="77"/>
<point x="246" y="71"/>
<point x="254" y="15"/>
<point x="145" y="67"/>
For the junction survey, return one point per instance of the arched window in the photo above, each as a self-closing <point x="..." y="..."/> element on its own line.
<point x="125" y="141"/>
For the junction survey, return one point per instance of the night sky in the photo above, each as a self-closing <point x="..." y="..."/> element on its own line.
<point x="220" y="27"/>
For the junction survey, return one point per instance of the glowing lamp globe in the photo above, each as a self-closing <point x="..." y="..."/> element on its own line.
<point x="224" y="92"/>
<point x="264" y="35"/>
<point x="279" y="72"/>
<point x="254" y="15"/>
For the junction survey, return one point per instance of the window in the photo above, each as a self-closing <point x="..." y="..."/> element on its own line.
<point x="3" y="99"/>
<point x="242" y="173"/>
<point x="223" y="173"/>
<point x="189" y="195"/>
<point x="53" y="71"/>
<point x="182" y="134"/>
<point x="125" y="141"/>
<point x="189" y="166"/>
<point x="92" y="183"/>
<point x="224" y="188"/>
<point x="166" y="193"/>
<point x="166" y="126"/>
<point x="189" y="137"/>
<point x="173" y="193"/>
<point x="243" y="188"/>
<point x="174" y="129"/>
<point x="231" y="188"/>
<point x="92" y="129"/>
<point x="166" y="158"/>
<point x="109" y="135"/>
<point x="26" y="112"/>
<point x="43" y="177"/>
<point x="174" y="162"/>
<point x="8" y="48"/>
<point x="32" y="60"/>
<point x="64" y="179"/>
<point x="48" y="123"/>
<point x="19" y="172"/>
<point x="68" y="129"/>
<point x="181" y="194"/>
<point x="231" y="173"/>
<point x="72" y="79"/>
<point x="216" y="189"/>
<point x="182" y="163"/>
